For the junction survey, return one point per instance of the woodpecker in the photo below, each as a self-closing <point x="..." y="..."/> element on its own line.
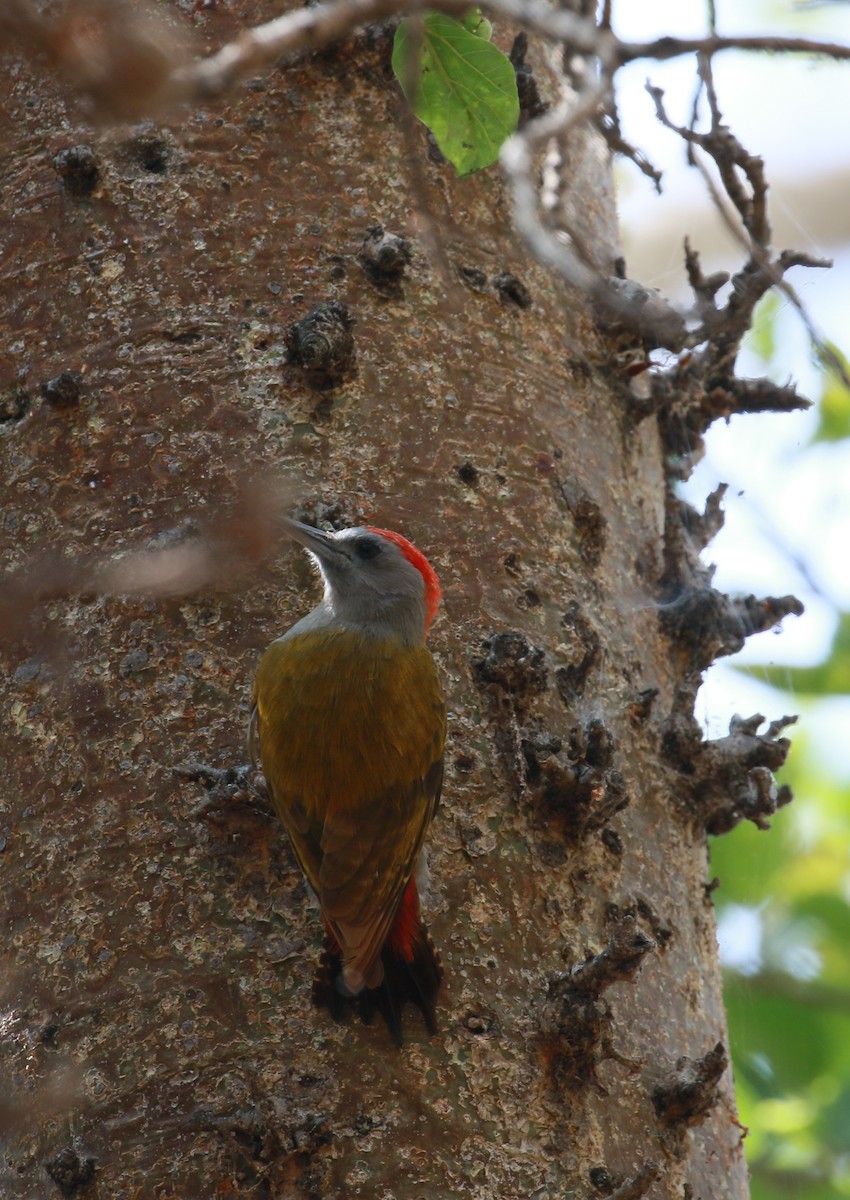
<point x="348" y="721"/>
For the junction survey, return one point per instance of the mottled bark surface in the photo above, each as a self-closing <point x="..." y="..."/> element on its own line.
<point x="158" y="1037"/>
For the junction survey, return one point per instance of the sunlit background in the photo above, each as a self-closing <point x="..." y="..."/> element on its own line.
<point x="784" y="897"/>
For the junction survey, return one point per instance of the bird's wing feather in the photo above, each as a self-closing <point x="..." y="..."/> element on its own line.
<point x="362" y="880"/>
<point x="351" y="735"/>
<point x="254" y="735"/>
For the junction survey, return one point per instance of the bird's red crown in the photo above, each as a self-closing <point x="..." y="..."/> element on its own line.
<point x="429" y="575"/>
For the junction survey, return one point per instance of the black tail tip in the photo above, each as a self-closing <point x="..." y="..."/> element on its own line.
<point x="416" y="982"/>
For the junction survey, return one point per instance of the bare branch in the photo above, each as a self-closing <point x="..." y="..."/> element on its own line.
<point x="608" y="124"/>
<point x="725" y="326"/>
<point x="120" y="54"/>
<point x="763" y="395"/>
<point x="314" y="28"/>
<point x="194" y="556"/>
<point x="129" y="66"/>
<point x="665" y="48"/>
<point x="728" y="155"/>
<point x="318" y="26"/>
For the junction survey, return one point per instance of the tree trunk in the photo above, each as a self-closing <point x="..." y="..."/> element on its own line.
<point x="159" y="1034"/>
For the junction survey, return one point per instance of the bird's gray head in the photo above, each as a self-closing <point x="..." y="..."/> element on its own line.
<point x="375" y="581"/>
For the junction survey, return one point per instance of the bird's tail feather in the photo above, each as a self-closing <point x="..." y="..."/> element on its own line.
<point x="414" y="977"/>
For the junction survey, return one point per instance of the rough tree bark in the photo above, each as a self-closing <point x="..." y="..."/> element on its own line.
<point x="158" y="1037"/>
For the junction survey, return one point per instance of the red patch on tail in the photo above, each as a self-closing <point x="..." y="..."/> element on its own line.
<point x="404" y="931"/>
<point x="412" y="973"/>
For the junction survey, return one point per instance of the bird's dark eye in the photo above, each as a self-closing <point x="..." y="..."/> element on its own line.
<point x="367" y="548"/>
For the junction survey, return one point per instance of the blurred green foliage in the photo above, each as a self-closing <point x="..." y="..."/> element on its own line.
<point x="828" y="678"/>
<point x="789" y="1005"/>
<point x="834" y="405"/>
<point x="784" y="904"/>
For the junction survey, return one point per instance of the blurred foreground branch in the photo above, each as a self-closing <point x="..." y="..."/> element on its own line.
<point x="128" y="60"/>
<point x="213" y="554"/>
<point x="95" y="40"/>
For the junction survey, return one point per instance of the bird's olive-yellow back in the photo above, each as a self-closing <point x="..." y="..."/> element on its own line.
<point x="351" y="734"/>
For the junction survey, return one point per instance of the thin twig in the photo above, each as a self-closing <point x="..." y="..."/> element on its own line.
<point x="517" y="159"/>
<point x="665" y="48"/>
<point x="609" y="127"/>
<point x="752" y="230"/>
<point x="314" y="28"/>
<point x="774" y="276"/>
<point x="311" y="28"/>
<point x="729" y="156"/>
<point x="427" y="227"/>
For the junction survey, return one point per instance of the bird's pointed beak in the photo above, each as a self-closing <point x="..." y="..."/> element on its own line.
<point x="322" y="544"/>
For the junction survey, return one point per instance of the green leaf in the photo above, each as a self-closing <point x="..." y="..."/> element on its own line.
<point x="477" y="23"/>
<point x="834" y="407"/>
<point x="460" y="85"/>
<point x="761" y="339"/>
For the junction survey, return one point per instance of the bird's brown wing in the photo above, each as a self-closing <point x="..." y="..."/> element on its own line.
<point x="351" y="734"/>
<point x="363" y="877"/>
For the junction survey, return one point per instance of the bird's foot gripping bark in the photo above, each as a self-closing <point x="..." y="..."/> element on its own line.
<point x="416" y="981"/>
<point x="225" y="787"/>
